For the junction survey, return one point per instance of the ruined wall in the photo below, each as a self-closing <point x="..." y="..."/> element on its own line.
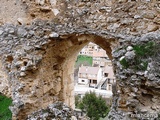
<point x="39" y="47"/>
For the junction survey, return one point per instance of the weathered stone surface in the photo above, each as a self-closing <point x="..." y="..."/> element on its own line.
<point x="37" y="56"/>
<point x="54" y="111"/>
<point x="130" y="55"/>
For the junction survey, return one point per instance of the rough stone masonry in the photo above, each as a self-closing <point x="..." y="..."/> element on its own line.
<point x="40" y="39"/>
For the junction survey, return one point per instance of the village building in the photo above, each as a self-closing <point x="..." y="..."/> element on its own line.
<point x="100" y="75"/>
<point x="109" y="78"/>
<point x="88" y="49"/>
<point x="90" y="76"/>
<point x="100" y="78"/>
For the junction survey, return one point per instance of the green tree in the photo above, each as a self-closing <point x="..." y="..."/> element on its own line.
<point x="77" y="101"/>
<point x="95" y="107"/>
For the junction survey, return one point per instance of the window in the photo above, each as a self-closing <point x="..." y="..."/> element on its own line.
<point x="110" y="87"/>
<point x="83" y="80"/>
<point x="105" y="74"/>
<point x="95" y="81"/>
<point x="109" y="80"/>
<point x="89" y="81"/>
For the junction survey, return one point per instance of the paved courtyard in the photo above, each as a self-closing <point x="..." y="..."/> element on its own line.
<point x="81" y="89"/>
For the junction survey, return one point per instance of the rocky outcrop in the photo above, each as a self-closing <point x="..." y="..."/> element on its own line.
<point x="134" y="65"/>
<point x="39" y="61"/>
<point x="57" y="111"/>
<point x="40" y="40"/>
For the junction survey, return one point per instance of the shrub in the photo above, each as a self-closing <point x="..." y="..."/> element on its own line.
<point x="142" y="53"/>
<point x="5" y="113"/>
<point x="124" y="63"/>
<point x="95" y="107"/>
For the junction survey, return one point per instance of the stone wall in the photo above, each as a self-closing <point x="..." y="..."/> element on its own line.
<point x="40" y="41"/>
<point x="138" y="78"/>
<point x="39" y="61"/>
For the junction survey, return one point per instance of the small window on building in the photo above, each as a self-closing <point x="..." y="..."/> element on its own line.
<point x="79" y="95"/>
<point x="95" y="81"/>
<point x="110" y="87"/>
<point x="109" y="81"/>
<point x="83" y="80"/>
<point x="105" y="74"/>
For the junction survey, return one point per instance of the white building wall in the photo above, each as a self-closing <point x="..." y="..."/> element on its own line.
<point x="83" y="81"/>
<point x="109" y="87"/>
<point x="99" y="75"/>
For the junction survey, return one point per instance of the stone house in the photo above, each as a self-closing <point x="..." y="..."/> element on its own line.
<point x="101" y="62"/>
<point x="89" y="75"/>
<point x="93" y="50"/>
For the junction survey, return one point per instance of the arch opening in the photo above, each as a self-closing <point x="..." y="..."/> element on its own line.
<point x="103" y="43"/>
<point x="54" y="78"/>
<point x="93" y="72"/>
<point x="45" y="75"/>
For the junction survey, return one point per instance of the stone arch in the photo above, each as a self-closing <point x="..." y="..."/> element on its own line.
<point x="53" y="79"/>
<point x="35" y="60"/>
<point x="23" y="49"/>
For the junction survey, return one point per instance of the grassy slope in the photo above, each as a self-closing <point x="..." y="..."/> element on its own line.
<point x="83" y="59"/>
